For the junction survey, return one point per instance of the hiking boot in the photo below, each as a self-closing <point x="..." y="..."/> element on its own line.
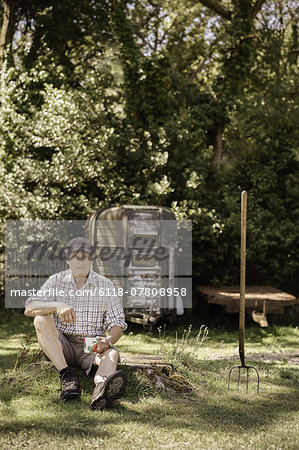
<point x="106" y="392"/>
<point x="70" y="385"/>
<point x="99" y="400"/>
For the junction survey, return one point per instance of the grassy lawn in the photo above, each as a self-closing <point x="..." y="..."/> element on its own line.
<point x="32" y="415"/>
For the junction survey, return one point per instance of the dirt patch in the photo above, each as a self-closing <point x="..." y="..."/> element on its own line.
<point x="271" y="357"/>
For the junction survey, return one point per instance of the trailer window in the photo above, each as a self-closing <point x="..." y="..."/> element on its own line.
<point x="140" y="262"/>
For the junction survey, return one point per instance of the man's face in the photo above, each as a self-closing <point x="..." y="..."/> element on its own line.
<point x="79" y="263"/>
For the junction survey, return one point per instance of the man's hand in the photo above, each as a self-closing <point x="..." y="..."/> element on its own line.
<point x="101" y="346"/>
<point x="66" y="313"/>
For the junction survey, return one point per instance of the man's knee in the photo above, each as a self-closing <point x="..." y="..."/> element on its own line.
<point x="111" y="354"/>
<point x="42" y="322"/>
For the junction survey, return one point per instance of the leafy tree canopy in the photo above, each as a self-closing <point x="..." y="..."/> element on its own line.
<point x="178" y="103"/>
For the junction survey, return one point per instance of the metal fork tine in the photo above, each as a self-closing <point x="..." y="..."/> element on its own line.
<point x="239" y="377"/>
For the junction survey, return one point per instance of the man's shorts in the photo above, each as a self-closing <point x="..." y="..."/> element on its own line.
<point x="73" y="350"/>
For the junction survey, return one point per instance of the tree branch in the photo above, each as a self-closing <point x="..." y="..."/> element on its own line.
<point x="8" y="27"/>
<point x="153" y="4"/>
<point x="207" y="56"/>
<point x="256" y="7"/>
<point x="217" y="8"/>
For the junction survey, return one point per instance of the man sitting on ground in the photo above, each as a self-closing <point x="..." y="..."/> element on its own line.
<point x="87" y="307"/>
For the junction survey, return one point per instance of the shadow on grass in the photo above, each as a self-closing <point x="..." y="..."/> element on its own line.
<point x="37" y="392"/>
<point x="213" y="409"/>
<point x="14" y="322"/>
<point x="65" y="420"/>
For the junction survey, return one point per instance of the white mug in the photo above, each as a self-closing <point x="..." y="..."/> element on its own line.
<point x="88" y="343"/>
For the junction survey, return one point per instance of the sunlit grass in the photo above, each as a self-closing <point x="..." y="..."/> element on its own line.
<point x="209" y="418"/>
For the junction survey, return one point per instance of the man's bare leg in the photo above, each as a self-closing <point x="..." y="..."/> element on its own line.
<point x="110" y="383"/>
<point x="48" y="340"/>
<point x="107" y="362"/>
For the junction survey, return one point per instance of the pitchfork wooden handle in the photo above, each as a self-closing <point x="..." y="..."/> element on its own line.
<point x="242" y="278"/>
<point x="242" y="302"/>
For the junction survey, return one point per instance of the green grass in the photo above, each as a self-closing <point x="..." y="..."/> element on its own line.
<point x="32" y="415"/>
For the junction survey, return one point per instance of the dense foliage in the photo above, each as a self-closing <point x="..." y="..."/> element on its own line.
<point x="176" y="103"/>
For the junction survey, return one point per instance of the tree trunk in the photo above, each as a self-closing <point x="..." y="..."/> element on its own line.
<point x="8" y="27"/>
<point x="217" y="145"/>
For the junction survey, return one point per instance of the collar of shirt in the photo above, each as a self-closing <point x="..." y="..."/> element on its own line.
<point x="68" y="277"/>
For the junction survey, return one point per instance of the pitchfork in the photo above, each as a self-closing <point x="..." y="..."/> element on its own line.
<point x="242" y="302"/>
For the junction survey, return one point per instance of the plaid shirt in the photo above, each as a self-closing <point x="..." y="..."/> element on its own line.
<point x="96" y="304"/>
